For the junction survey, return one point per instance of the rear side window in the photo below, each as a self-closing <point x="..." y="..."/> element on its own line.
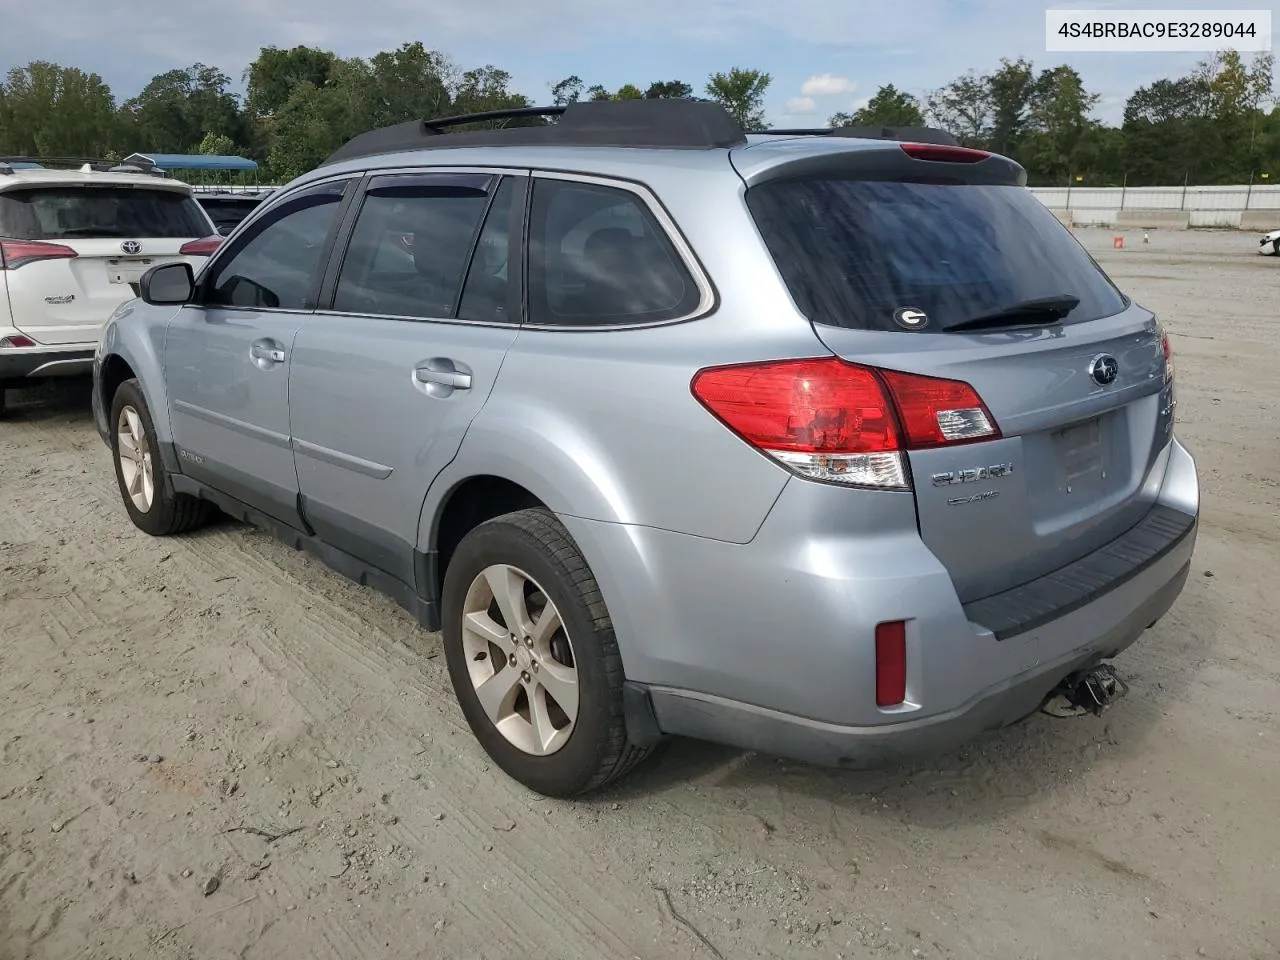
<point x="86" y="212"/>
<point x="855" y="252"/>
<point x="597" y="256"/>
<point x="410" y="246"/>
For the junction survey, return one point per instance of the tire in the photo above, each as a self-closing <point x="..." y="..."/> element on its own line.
<point x="2" y="403"/>
<point x="167" y="512"/>
<point x="1275" y="250"/>
<point x="534" y="544"/>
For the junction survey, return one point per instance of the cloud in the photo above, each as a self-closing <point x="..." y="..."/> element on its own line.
<point x="801" y="106"/>
<point x="860" y="103"/>
<point x="827" y="85"/>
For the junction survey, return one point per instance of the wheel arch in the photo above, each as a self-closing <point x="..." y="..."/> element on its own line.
<point x="130" y="350"/>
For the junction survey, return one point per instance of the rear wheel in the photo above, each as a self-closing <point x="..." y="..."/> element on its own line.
<point x="2" y="385"/>
<point x="1275" y="246"/>
<point x="533" y="658"/>
<point x="145" y="487"/>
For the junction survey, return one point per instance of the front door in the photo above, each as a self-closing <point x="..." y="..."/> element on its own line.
<point x="386" y="381"/>
<point x="227" y="354"/>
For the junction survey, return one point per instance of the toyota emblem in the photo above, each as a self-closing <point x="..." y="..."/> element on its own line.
<point x="1104" y="369"/>
<point x="131" y="247"/>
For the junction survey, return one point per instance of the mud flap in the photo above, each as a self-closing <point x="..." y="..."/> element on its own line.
<point x="1091" y="690"/>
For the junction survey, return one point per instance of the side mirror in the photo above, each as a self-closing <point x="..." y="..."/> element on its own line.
<point x="167" y="284"/>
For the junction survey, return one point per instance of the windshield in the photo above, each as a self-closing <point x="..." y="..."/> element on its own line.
<point x="83" y="213"/>
<point x="855" y="253"/>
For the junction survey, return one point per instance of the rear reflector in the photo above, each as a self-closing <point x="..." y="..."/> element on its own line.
<point x="830" y="420"/>
<point x="942" y="153"/>
<point x="891" y="663"/>
<point x="200" y="248"/>
<point x="17" y="340"/>
<point x="17" y="253"/>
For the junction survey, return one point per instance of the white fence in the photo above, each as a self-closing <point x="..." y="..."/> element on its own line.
<point x="1206" y="206"/>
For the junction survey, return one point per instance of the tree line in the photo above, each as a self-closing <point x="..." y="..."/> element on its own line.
<point x="1210" y="126"/>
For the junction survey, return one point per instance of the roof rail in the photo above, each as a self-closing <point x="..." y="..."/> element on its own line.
<point x="82" y="164"/>
<point x="675" y="124"/>
<point x="901" y="134"/>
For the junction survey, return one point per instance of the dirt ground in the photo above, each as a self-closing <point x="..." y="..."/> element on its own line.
<point x="220" y="711"/>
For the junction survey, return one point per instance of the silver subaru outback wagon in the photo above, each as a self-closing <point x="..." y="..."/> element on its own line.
<point x="836" y="447"/>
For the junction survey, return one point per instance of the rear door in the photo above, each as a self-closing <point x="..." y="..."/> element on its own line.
<point x="384" y="382"/>
<point x="87" y="245"/>
<point x="925" y="271"/>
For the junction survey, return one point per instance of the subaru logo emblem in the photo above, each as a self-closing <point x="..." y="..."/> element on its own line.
<point x="131" y="246"/>
<point x="1104" y="369"/>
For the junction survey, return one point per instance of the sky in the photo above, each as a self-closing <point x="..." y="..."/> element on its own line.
<point x="824" y="55"/>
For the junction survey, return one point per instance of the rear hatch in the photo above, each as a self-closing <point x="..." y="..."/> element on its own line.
<point x="74" y="251"/>
<point x="942" y="265"/>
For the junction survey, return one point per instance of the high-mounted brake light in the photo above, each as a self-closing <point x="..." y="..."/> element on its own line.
<point x="943" y="153"/>
<point x="18" y="253"/>
<point x="830" y="420"/>
<point x="200" y="248"/>
<point x="16" y="340"/>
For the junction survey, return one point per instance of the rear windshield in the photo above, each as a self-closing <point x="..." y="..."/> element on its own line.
<point x="81" y="213"/>
<point x="856" y="252"/>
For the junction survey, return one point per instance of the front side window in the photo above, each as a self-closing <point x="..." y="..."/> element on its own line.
<point x="278" y="264"/>
<point x="84" y="212"/>
<point x="597" y="256"/>
<point x="410" y="246"/>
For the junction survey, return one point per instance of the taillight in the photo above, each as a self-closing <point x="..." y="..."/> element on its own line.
<point x="942" y="153"/>
<point x="1168" y="357"/>
<point x="200" y="248"/>
<point x="939" y="413"/>
<point x="891" y="663"/>
<point x="17" y="340"/>
<point x="823" y="418"/>
<point x="830" y="420"/>
<point x="18" y="253"/>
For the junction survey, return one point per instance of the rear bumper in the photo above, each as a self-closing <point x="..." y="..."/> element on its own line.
<point x="29" y="363"/>
<point x="769" y="646"/>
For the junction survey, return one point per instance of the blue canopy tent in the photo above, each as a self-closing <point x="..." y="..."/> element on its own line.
<point x="196" y="162"/>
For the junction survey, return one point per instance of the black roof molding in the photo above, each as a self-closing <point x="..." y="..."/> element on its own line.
<point x="675" y="124"/>
<point x="903" y="134"/>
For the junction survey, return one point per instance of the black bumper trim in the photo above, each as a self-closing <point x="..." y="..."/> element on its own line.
<point x="1056" y="594"/>
<point x="20" y="365"/>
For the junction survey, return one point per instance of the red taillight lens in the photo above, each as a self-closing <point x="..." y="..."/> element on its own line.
<point x="17" y="340"/>
<point x="942" y="153"/>
<point x="891" y="663"/>
<point x="17" y="253"/>
<point x="1168" y="357"/>
<point x="200" y="248"/>
<point x="823" y="418"/>
<point x="939" y="413"/>
<point x="831" y="420"/>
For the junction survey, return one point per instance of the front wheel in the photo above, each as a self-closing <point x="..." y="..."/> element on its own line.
<point x="148" y="494"/>
<point x="533" y="658"/>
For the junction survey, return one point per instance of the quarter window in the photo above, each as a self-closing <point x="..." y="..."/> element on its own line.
<point x="278" y="265"/>
<point x="410" y="246"/>
<point x="597" y="256"/>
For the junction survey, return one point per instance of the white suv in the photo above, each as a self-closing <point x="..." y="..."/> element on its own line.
<point x="73" y="244"/>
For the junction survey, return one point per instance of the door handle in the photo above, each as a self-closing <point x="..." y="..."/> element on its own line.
<point x="266" y="351"/>
<point x="444" y="378"/>
<point x="440" y="376"/>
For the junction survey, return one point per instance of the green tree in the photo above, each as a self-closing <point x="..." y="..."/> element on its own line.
<point x="963" y="108"/>
<point x="668" y="90"/>
<point x="1061" y="128"/>
<point x="408" y="83"/>
<point x="55" y="111"/>
<point x="567" y="91"/>
<point x="217" y="145"/>
<point x="487" y="88"/>
<point x="1011" y="90"/>
<point x="271" y="79"/>
<point x="890" y="107"/>
<point x="741" y="92"/>
<point x="177" y="108"/>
